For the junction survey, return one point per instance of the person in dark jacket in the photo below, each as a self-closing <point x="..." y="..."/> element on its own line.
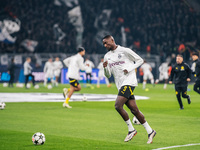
<point x="181" y="73"/>
<point x="195" y="58"/>
<point x="11" y="71"/>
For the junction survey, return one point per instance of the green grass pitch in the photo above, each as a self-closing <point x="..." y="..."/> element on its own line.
<point x="97" y="125"/>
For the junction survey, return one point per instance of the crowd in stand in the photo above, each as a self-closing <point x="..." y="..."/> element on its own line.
<point x="156" y="27"/>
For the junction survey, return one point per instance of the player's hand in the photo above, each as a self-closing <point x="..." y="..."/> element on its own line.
<point x="170" y="82"/>
<point x="188" y="79"/>
<point x="87" y="65"/>
<point x="105" y="64"/>
<point x="125" y="71"/>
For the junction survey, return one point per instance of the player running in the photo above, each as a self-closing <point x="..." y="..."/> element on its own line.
<point x="57" y="69"/>
<point x="195" y="58"/>
<point x="121" y="62"/>
<point x="182" y="72"/>
<point x="163" y="69"/>
<point x="74" y="64"/>
<point x="48" y="71"/>
<point x="146" y="68"/>
<point x="88" y="69"/>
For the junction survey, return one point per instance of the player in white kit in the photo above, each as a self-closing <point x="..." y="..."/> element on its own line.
<point x="101" y="74"/>
<point x="48" y="71"/>
<point x="89" y="65"/>
<point x="146" y="68"/>
<point x="57" y="69"/>
<point x="163" y="69"/>
<point x="74" y="64"/>
<point x="121" y="62"/>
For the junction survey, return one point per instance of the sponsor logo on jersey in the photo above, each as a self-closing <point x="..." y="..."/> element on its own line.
<point x="116" y="63"/>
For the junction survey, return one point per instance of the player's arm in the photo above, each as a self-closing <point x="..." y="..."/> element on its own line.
<point x="171" y="76"/>
<point x="135" y="58"/>
<point x="61" y="65"/>
<point x="197" y="69"/>
<point x="189" y="72"/>
<point x="107" y="72"/>
<point x="67" y="61"/>
<point x="81" y="64"/>
<point x="45" y="68"/>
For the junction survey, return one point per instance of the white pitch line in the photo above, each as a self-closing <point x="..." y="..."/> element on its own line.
<point x="176" y="146"/>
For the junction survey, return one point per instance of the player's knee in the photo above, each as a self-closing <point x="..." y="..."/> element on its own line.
<point x="118" y="107"/>
<point x="135" y="111"/>
<point x="184" y="96"/>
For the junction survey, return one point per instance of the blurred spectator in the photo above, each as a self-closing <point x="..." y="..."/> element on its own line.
<point x="164" y="24"/>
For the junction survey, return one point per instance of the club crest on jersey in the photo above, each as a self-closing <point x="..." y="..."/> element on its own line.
<point x="119" y="56"/>
<point x="182" y="68"/>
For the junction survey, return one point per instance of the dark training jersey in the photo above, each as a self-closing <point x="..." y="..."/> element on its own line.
<point x="180" y="72"/>
<point x="197" y="69"/>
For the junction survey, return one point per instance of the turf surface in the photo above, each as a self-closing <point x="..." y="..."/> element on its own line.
<point x="96" y="125"/>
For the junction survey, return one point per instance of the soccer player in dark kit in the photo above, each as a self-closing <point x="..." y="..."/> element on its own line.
<point x="182" y="73"/>
<point x="195" y="58"/>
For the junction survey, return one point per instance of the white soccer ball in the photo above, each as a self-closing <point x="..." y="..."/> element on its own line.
<point x="49" y="86"/>
<point x="38" y="138"/>
<point x="5" y="84"/>
<point x="28" y="85"/>
<point x="36" y="86"/>
<point x="84" y="99"/>
<point x="135" y="120"/>
<point x="2" y="105"/>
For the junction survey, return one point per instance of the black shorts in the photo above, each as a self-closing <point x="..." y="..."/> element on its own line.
<point x="180" y="89"/>
<point x="127" y="92"/>
<point x="73" y="82"/>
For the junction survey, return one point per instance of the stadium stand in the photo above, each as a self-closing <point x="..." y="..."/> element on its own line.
<point x="155" y="27"/>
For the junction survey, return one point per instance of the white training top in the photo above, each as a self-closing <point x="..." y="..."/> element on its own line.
<point x="74" y="64"/>
<point x="57" y="65"/>
<point x="120" y="59"/>
<point x="27" y="68"/>
<point x="146" y="68"/>
<point x="49" y="68"/>
<point x="88" y="69"/>
<point x="164" y="67"/>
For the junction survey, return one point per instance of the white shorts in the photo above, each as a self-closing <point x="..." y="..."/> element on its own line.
<point x="148" y="76"/>
<point x="163" y="76"/>
<point x="57" y="73"/>
<point x="49" y="75"/>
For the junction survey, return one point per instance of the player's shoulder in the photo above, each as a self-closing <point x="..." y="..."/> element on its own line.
<point x="186" y="64"/>
<point x="122" y="48"/>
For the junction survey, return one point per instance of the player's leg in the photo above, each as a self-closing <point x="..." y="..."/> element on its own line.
<point x="197" y="86"/>
<point x="45" y="79"/>
<point x="119" y="103"/>
<point x="131" y="104"/>
<point x="144" y="82"/>
<point x="151" y="78"/>
<point x="184" y="94"/>
<point x="87" y="80"/>
<point x="69" y="94"/>
<point x="33" y="79"/>
<point x="26" y="80"/>
<point x="90" y="79"/>
<point x="74" y="86"/>
<point x="98" y="81"/>
<point x="107" y="82"/>
<point x="165" y="84"/>
<point x="178" y="96"/>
